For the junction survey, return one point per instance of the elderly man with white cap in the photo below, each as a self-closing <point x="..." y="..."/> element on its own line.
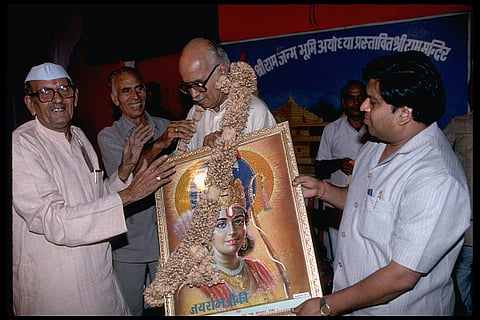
<point x="64" y="212"/>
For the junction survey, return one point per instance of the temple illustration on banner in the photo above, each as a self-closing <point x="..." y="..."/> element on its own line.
<point x="296" y="115"/>
<point x="306" y="129"/>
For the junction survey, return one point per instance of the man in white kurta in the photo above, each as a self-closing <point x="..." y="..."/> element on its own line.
<point x="61" y="263"/>
<point x="341" y="141"/>
<point x="259" y="117"/>
<point x="201" y="65"/>
<point x="63" y="211"/>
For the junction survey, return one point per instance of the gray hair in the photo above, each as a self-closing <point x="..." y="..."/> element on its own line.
<point x="220" y="54"/>
<point x="216" y="53"/>
<point x="114" y="73"/>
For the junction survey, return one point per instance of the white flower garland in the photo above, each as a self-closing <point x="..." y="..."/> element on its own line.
<point x="192" y="261"/>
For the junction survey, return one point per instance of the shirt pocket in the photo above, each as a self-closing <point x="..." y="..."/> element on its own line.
<point x="377" y="222"/>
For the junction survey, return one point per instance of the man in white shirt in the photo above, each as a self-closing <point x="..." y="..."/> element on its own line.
<point x="63" y="210"/>
<point x="201" y="64"/>
<point x="407" y="206"/>
<point x="340" y="144"/>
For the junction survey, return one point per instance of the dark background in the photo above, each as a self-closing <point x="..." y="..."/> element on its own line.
<point x="106" y="34"/>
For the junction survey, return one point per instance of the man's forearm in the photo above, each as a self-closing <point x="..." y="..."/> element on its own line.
<point x="151" y="152"/>
<point x="334" y="195"/>
<point x="380" y="287"/>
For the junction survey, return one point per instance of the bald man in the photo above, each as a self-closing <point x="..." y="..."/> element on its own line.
<point x="201" y="64"/>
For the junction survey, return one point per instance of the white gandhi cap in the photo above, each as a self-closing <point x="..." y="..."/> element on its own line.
<point x="47" y="71"/>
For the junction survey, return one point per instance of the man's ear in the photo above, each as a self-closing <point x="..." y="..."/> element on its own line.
<point x="114" y="99"/>
<point x="223" y="69"/>
<point x="29" y="103"/>
<point x="405" y="116"/>
<point x="75" y="101"/>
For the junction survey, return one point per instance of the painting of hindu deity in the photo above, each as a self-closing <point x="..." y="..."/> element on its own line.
<point x="261" y="241"/>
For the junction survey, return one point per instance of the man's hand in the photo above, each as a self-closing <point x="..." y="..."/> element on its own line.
<point x="209" y="139"/>
<point x="311" y="307"/>
<point x="311" y="187"/>
<point x="347" y="166"/>
<point x="182" y="129"/>
<point x="147" y="180"/>
<point x="132" y="150"/>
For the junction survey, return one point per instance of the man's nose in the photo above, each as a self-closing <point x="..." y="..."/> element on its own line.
<point x="364" y="106"/>
<point x="193" y="93"/>
<point x="57" y="97"/>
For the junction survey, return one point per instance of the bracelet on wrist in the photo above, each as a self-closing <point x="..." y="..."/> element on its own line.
<point x="324" y="189"/>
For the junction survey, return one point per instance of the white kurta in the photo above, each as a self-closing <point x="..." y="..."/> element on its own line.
<point x="62" y="260"/>
<point x="259" y="117"/>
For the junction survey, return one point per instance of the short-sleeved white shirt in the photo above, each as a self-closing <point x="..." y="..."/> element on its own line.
<point x="412" y="208"/>
<point x="340" y="140"/>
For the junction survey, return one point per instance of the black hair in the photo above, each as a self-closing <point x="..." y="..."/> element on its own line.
<point x="344" y="90"/>
<point x="409" y="79"/>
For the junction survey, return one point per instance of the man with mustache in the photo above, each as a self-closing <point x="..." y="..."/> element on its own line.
<point x="64" y="212"/>
<point x="201" y="64"/>
<point x="341" y="141"/>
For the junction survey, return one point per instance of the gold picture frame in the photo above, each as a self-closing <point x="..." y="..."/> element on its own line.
<point x="278" y="223"/>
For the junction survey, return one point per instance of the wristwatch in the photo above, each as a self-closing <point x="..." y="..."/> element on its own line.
<point x="324" y="307"/>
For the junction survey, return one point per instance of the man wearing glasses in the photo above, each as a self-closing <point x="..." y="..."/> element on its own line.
<point x="201" y="64"/>
<point x="64" y="212"/>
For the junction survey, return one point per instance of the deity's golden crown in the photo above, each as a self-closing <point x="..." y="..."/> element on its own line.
<point x="233" y="195"/>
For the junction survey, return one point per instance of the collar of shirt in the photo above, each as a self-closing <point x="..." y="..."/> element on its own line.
<point x="77" y="142"/>
<point x="128" y="126"/>
<point x="425" y="137"/>
<point x="222" y="107"/>
<point x="52" y="134"/>
<point x="360" y="132"/>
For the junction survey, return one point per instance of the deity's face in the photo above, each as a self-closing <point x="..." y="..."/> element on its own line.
<point x="230" y="232"/>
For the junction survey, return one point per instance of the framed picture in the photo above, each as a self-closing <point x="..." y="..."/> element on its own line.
<point x="277" y="269"/>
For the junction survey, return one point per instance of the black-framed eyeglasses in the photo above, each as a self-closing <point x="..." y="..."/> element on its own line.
<point x="200" y="86"/>
<point x="47" y="94"/>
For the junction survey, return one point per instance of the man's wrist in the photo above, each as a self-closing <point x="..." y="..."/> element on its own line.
<point x="125" y="197"/>
<point x="124" y="172"/>
<point x="159" y="145"/>
<point x="324" y="307"/>
<point x="324" y="190"/>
